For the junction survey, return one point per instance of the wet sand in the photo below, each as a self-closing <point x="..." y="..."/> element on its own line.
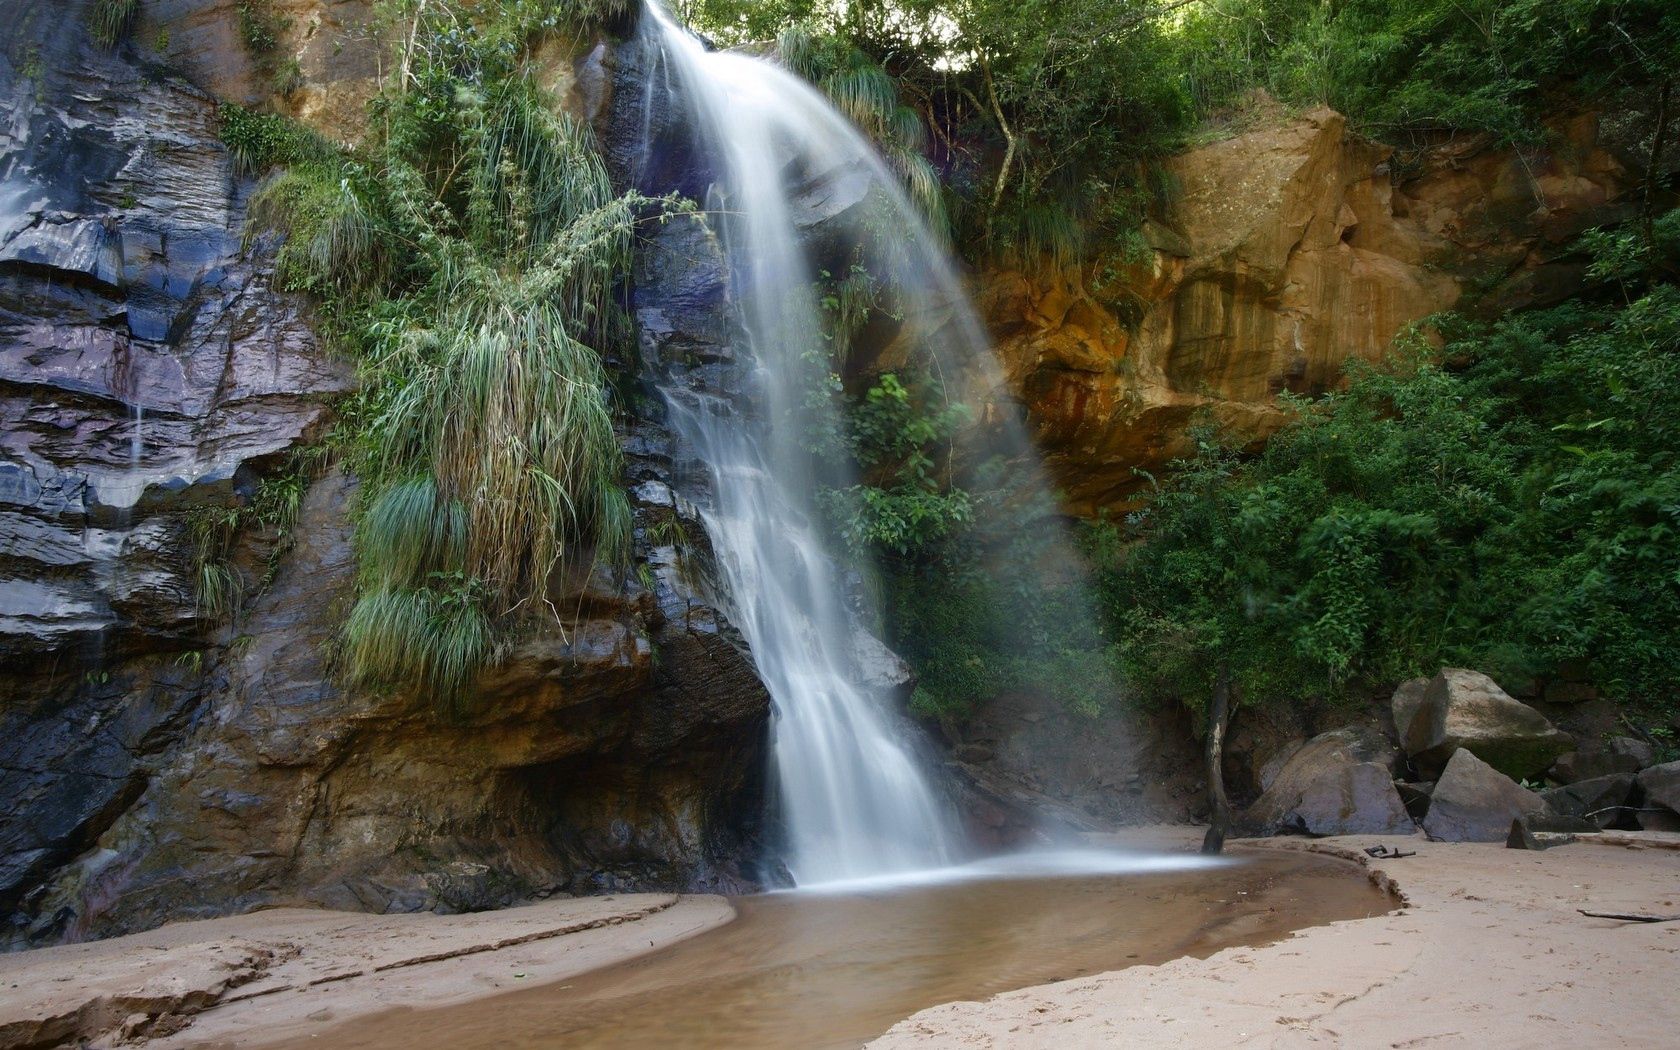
<point x="1491" y="951"/>
<point x="244" y="978"/>
<point x="814" y="970"/>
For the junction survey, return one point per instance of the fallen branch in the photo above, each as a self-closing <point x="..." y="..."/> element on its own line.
<point x="1631" y="916"/>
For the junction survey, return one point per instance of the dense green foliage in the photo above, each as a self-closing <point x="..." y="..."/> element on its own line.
<point x="1504" y="502"/>
<point x="1045" y="114"/>
<point x="999" y="606"/>
<point x="468" y="255"/>
<point x="1510" y="502"/>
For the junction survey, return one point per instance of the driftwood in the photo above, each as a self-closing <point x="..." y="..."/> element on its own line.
<point x="1387" y="853"/>
<point x="1631" y="916"/>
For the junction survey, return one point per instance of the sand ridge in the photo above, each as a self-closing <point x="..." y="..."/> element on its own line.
<point x="266" y="974"/>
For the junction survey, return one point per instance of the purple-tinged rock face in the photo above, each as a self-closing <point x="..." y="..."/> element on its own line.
<point x="146" y="364"/>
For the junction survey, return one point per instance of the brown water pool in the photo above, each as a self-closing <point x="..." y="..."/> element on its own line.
<point x="835" y="969"/>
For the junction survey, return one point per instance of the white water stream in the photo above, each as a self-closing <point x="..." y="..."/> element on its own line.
<point x="857" y="801"/>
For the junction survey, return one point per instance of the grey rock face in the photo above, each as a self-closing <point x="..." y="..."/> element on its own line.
<point x="1467" y="709"/>
<point x="148" y="373"/>
<point x="1473" y="802"/>
<point x="1619" y="755"/>
<point x="581" y="765"/>
<point x="1340" y="782"/>
<point x="1633" y="751"/>
<point x="1404" y="706"/>
<point x="1355" y="800"/>
<point x="1661" y="785"/>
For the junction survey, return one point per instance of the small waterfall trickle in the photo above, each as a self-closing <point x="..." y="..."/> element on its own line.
<point x="789" y="177"/>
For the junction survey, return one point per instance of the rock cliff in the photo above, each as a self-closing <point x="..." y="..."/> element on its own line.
<point x="1283" y="253"/>
<point x="164" y="762"/>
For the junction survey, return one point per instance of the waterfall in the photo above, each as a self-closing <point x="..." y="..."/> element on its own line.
<point x="795" y="187"/>
<point x="856" y="800"/>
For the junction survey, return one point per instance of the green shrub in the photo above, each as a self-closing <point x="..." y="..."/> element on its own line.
<point x="1046" y="115"/>
<point x="259" y="141"/>
<point x="1510" y="502"/>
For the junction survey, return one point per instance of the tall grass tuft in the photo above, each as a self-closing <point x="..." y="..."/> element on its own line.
<point x="472" y="258"/>
<point x="109" y="20"/>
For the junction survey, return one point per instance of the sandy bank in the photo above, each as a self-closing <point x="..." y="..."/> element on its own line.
<point x="1490" y="951"/>
<point x="264" y="976"/>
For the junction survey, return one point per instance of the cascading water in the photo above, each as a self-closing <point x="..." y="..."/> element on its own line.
<point x="855" y="799"/>
<point x="794" y="186"/>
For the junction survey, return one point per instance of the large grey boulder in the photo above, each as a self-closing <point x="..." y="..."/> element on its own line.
<point x="1599" y="799"/>
<point x="1354" y="800"/>
<point x="1659" y="820"/>
<point x="1337" y="783"/>
<point x="150" y="373"/>
<point x="1631" y="750"/>
<point x="1467" y="709"/>
<point x="1473" y="802"/>
<point x="1661" y="787"/>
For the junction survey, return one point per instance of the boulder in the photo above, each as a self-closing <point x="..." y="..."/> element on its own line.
<point x="1659" y="820"/>
<point x="1619" y="755"/>
<point x="1408" y="698"/>
<point x="1415" y="796"/>
<point x="1473" y="802"/>
<point x="1467" y="709"/>
<point x="1277" y="761"/>
<point x="1599" y="799"/>
<point x="1537" y="831"/>
<point x="1632" y="750"/>
<point x="1661" y="786"/>
<point x="1321" y="789"/>
<point x="1353" y="800"/>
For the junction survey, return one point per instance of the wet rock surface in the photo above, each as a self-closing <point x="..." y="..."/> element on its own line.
<point x="581" y="764"/>
<point x="148" y="373"/>
<point x="1018" y="755"/>
<point x="147" y="368"/>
